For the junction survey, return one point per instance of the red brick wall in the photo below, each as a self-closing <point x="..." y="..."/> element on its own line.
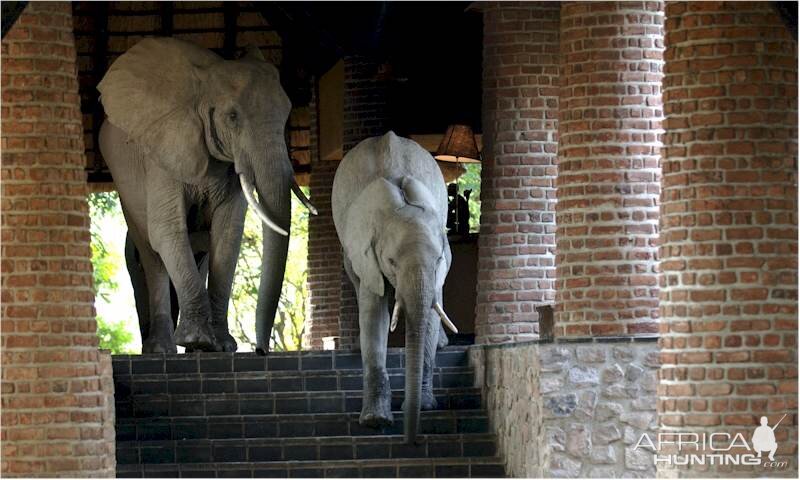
<point x="608" y="182"/>
<point x="324" y="250"/>
<point x="729" y="222"/>
<point x="365" y="115"/>
<point x="516" y="266"/>
<point x="57" y="405"/>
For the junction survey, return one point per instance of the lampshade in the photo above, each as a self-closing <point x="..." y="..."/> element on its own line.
<point x="458" y="145"/>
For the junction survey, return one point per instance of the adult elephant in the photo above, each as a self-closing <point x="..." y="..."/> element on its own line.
<point x="390" y="208"/>
<point x="188" y="138"/>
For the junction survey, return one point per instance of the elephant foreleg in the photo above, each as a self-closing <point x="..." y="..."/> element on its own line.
<point x="373" y="322"/>
<point x="227" y="225"/>
<point x="169" y="237"/>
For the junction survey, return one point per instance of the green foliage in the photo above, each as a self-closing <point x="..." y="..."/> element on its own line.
<point x="114" y="336"/>
<point x="471" y="180"/>
<point x="105" y="266"/>
<point x="287" y="331"/>
<point x="289" y="320"/>
<point x="104" y="262"/>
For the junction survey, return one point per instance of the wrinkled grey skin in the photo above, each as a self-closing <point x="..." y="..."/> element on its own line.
<point x="390" y="208"/>
<point x="182" y="125"/>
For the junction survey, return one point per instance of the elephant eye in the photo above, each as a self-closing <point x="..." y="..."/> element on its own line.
<point x="232" y="116"/>
<point x="392" y="262"/>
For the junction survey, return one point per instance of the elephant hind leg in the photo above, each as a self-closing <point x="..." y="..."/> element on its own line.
<point x="139" y="284"/>
<point x="157" y="325"/>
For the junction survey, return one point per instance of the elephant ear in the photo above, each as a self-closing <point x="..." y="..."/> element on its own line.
<point x="151" y="93"/>
<point x="416" y="193"/>
<point x="367" y="210"/>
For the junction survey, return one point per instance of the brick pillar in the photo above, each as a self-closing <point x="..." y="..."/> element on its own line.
<point x="516" y="264"/>
<point x="324" y="250"/>
<point x="57" y="392"/>
<point x="365" y="116"/>
<point x="608" y="170"/>
<point x="729" y="226"/>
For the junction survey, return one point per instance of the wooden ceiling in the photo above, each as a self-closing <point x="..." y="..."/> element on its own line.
<point x="434" y="49"/>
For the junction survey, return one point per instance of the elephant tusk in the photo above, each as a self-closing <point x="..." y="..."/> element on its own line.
<point x="444" y="317"/>
<point x="395" y="316"/>
<point x="248" y="188"/>
<point x="302" y="197"/>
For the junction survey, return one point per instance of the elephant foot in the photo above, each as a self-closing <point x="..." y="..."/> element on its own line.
<point x="195" y="336"/>
<point x="156" y="344"/>
<point x="376" y="414"/>
<point x="427" y="401"/>
<point x="377" y="409"/>
<point x="225" y="342"/>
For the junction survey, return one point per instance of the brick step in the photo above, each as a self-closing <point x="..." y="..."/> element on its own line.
<point x="286" y="426"/>
<point x="251" y="362"/>
<point x="304" y="449"/>
<point x="478" y="467"/>
<point x="209" y="404"/>
<point x="274" y="381"/>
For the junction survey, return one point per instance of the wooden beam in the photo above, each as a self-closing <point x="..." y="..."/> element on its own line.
<point x="331" y="113"/>
<point x="317" y="48"/>
<point x="100" y="65"/>
<point x="94" y="176"/>
<point x="166" y="12"/>
<point x="231" y="14"/>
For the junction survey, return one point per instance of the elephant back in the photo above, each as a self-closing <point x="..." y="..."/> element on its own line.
<point x="390" y="157"/>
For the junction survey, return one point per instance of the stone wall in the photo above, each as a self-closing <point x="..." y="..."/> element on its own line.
<point x="571" y="409"/>
<point x="57" y="392"/>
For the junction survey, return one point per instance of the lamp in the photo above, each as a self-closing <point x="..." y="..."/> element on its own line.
<point x="458" y="145"/>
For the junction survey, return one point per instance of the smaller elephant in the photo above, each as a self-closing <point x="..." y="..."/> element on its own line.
<point x="390" y="208"/>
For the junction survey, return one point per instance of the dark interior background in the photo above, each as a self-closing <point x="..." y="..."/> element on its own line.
<point x="434" y="49"/>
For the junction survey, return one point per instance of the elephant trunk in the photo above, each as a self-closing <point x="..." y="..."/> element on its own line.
<point x="417" y="310"/>
<point x="273" y="182"/>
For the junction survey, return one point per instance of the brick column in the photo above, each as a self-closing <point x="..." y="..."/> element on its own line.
<point x="608" y="171"/>
<point x="365" y="116"/>
<point x="324" y="250"/>
<point x="57" y="392"/>
<point x="520" y="108"/>
<point x="729" y="226"/>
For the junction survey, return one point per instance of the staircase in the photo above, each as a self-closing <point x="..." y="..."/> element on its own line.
<point x="290" y="415"/>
